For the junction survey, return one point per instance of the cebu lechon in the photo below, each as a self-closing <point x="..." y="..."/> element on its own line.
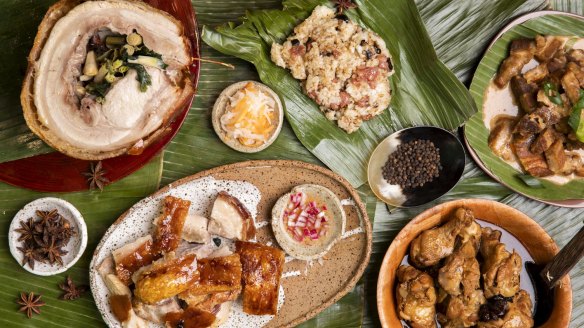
<point x="105" y="77"/>
<point x="343" y="67"/>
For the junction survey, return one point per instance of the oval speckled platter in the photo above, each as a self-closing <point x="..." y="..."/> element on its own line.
<point x="259" y="184"/>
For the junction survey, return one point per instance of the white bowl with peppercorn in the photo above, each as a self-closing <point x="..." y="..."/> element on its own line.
<point x="415" y="166"/>
<point x="47" y="236"/>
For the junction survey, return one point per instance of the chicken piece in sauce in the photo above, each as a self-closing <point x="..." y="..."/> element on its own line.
<point x="517" y="314"/>
<point x="500" y="268"/>
<point x="416" y="297"/>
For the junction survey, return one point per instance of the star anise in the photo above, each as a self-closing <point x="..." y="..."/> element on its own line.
<point x="96" y="177"/>
<point x="72" y="292"/>
<point x="47" y="216"/>
<point x="30" y="303"/>
<point x="26" y="230"/>
<point x="29" y="254"/>
<point x="343" y="5"/>
<point x="52" y="251"/>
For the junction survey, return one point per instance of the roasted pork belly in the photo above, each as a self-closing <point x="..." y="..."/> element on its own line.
<point x="544" y="140"/>
<point x="230" y="218"/>
<point x="156" y="312"/>
<point x="534" y="164"/>
<point x="522" y="51"/>
<point x="572" y="86"/>
<point x="576" y="56"/>
<point x="262" y="269"/>
<point x="525" y="93"/>
<point x="537" y="73"/>
<point x="546" y="47"/>
<point x="169" y="225"/>
<point x="555" y="156"/>
<point x="209" y="302"/>
<point x="131" y="257"/>
<point x="501" y="135"/>
<point x="195" y="229"/>
<point x="219" y="274"/>
<point x="189" y="318"/>
<point x="166" y="278"/>
<point x="536" y="121"/>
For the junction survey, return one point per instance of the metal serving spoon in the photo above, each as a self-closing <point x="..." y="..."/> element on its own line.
<point x="545" y="278"/>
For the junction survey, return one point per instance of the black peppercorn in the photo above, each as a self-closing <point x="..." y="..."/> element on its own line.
<point x="295" y="42"/>
<point x="413" y="164"/>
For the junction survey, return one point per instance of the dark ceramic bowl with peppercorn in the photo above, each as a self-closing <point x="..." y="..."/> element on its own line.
<point x="415" y="166"/>
<point x="47" y="236"/>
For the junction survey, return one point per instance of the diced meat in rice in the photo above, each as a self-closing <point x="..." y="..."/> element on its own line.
<point x="343" y="67"/>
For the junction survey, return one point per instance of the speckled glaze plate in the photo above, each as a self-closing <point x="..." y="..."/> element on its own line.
<point x="308" y="287"/>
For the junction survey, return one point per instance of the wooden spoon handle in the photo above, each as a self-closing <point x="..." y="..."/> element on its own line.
<point x="564" y="261"/>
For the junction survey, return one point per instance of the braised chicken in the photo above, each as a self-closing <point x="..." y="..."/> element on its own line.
<point x="462" y="310"/>
<point x="543" y="135"/>
<point x="500" y="268"/>
<point x="435" y="244"/>
<point x="517" y="314"/>
<point x="416" y="297"/>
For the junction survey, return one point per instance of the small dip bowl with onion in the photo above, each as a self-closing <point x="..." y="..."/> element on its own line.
<point x="415" y="166"/>
<point x="308" y="221"/>
<point x="248" y="116"/>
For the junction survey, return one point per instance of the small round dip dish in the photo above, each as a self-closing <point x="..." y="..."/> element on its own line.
<point x="248" y="116"/>
<point x="415" y="166"/>
<point x="52" y="232"/>
<point x="308" y="221"/>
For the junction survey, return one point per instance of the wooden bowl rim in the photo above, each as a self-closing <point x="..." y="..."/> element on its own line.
<point x="564" y="303"/>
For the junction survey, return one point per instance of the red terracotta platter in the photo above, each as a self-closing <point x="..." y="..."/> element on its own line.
<point x="56" y="172"/>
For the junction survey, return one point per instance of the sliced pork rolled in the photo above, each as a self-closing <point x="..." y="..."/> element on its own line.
<point x="106" y="77"/>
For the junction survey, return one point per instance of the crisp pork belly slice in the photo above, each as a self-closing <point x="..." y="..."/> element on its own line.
<point x="169" y="225"/>
<point x="120" y="301"/>
<point x="166" y="278"/>
<point x="230" y="219"/>
<point x="156" y="312"/>
<point x="195" y="229"/>
<point x="501" y="136"/>
<point x="209" y="302"/>
<point x="191" y="318"/>
<point x="133" y="256"/>
<point x="219" y="274"/>
<point x="262" y="269"/>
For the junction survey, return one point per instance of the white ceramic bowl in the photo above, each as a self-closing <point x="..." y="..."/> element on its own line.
<point x="74" y="247"/>
<point x="221" y="105"/>
<point x="337" y="224"/>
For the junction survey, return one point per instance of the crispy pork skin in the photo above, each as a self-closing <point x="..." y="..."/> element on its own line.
<point x="129" y="119"/>
<point x="230" y="218"/>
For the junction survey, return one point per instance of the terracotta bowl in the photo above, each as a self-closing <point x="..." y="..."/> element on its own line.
<point x="537" y="242"/>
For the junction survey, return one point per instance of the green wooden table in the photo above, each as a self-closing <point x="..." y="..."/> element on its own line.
<point x="459" y="31"/>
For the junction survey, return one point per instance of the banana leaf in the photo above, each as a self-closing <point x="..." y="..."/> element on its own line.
<point x="476" y="132"/>
<point x="424" y="90"/>
<point x="99" y="210"/>
<point x="462" y="30"/>
<point x="18" y="26"/>
<point x="568" y="6"/>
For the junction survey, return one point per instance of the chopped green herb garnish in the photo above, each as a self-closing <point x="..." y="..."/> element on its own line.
<point x="143" y="77"/>
<point x="124" y="53"/>
<point x="576" y="121"/>
<point x="551" y="91"/>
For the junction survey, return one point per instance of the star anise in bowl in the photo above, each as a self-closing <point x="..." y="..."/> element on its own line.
<point x="44" y="237"/>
